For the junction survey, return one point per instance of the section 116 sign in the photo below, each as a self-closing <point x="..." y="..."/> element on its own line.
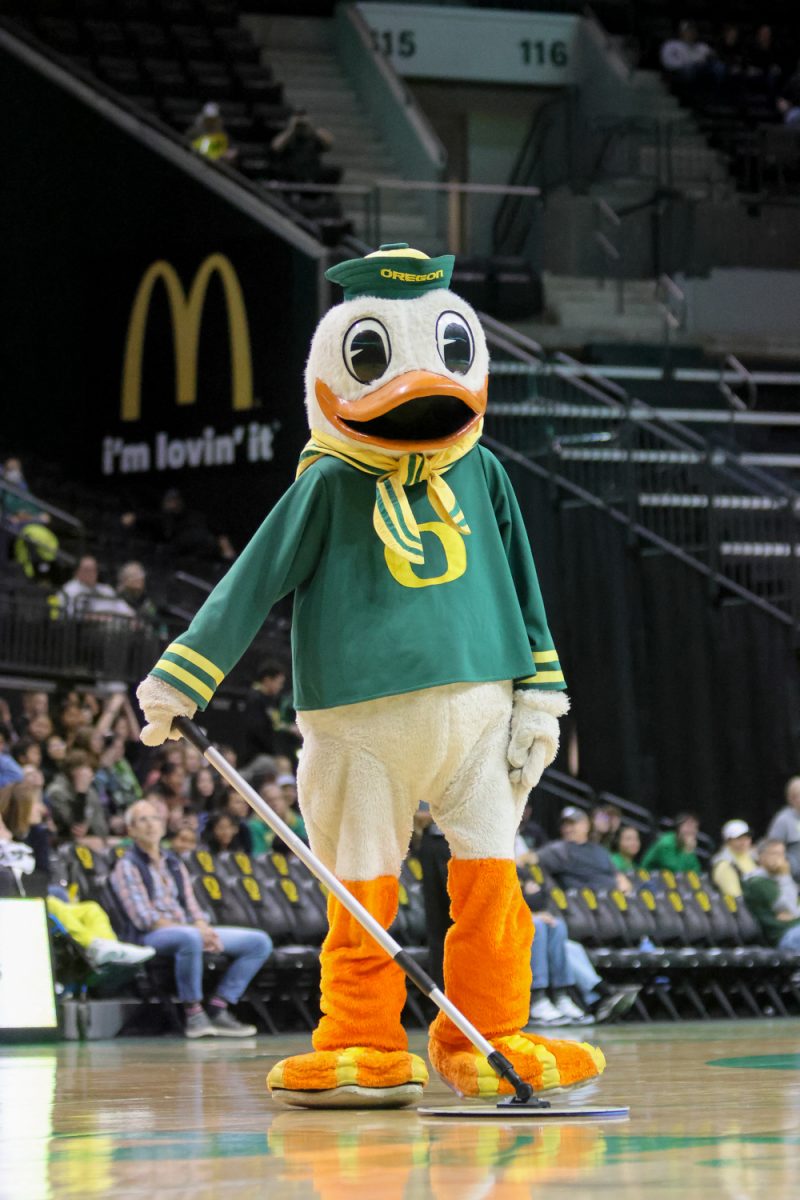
<point x="483" y="45"/>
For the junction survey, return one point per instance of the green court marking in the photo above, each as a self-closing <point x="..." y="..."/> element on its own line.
<point x="153" y="1147"/>
<point x="619" y="1147"/>
<point x="760" y="1062"/>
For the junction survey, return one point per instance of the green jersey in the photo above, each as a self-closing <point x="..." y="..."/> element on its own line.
<point x="367" y="622"/>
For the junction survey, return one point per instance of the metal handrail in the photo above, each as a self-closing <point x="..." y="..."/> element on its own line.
<point x="522" y="173"/>
<point x="734" y="400"/>
<point x="65" y="518"/>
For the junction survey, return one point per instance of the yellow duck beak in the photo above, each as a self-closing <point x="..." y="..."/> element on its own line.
<point x="416" y="411"/>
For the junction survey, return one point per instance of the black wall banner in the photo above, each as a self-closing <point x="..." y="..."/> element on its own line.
<point x="678" y="703"/>
<point x="154" y="335"/>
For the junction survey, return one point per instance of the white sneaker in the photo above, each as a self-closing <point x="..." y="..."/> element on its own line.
<point x="573" y="1012"/>
<point x="544" y="1012"/>
<point x="103" y="951"/>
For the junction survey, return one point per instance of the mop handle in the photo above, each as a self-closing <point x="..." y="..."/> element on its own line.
<point x="499" y="1063"/>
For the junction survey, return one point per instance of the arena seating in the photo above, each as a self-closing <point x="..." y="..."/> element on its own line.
<point x="695" y="953"/>
<point x="168" y="60"/>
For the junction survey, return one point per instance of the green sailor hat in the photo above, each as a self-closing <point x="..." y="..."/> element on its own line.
<point x="395" y="271"/>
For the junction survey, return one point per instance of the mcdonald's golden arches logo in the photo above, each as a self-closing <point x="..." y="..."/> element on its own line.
<point x="186" y="312"/>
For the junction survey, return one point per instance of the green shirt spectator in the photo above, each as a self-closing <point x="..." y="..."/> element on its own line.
<point x="771" y="896"/>
<point x="675" y="851"/>
<point x="626" y="847"/>
<point x="762" y="896"/>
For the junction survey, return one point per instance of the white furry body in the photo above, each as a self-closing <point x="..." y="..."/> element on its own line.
<point x="364" y="769"/>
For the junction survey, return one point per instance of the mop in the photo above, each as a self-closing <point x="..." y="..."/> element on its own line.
<point x="524" y="1103"/>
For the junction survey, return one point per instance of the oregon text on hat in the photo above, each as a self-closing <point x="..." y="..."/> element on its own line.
<point x="387" y="273"/>
<point x="396" y="271"/>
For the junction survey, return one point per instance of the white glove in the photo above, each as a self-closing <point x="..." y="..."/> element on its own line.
<point x="160" y="704"/>
<point x="533" y="744"/>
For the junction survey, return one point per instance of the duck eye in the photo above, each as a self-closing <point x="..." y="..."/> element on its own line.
<point x="455" y="343"/>
<point x="366" y="350"/>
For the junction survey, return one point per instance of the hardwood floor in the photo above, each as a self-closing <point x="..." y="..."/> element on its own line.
<point x="715" y="1111"/>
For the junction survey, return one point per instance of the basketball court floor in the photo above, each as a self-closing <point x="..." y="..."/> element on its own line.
<point x="715" y="1112"/>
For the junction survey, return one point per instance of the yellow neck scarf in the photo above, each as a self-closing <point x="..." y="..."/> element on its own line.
<point x="392" y="517"/>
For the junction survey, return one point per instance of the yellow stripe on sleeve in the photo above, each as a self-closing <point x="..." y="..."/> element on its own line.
<point x="186" y="677"/>
<point x="548" y="677"/>
<point x="199" y="660"/>
<point x="539" y="656"/>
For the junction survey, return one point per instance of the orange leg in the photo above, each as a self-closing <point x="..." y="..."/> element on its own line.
<point x="360" y="1048"/>
<point x="363" y="991"/>
<point x="487" y="975"/>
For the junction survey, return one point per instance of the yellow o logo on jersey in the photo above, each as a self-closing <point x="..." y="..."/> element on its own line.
<point x="454" y="551"/>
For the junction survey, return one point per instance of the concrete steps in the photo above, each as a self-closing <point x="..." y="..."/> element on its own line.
<point x="302" y="55"/>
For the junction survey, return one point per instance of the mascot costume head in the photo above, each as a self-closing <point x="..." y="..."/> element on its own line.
<point x="424" y="670"/>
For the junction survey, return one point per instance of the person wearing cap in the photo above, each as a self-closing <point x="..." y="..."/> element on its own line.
<point x="423" y="665"/>
<point x="207" y="134"/>
<point x="676" y="849"/>
<point x="577" y="862"/>
<point x="734" y="861"/>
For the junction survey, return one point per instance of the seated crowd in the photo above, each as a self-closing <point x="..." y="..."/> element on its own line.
<point x="73" y="773"/>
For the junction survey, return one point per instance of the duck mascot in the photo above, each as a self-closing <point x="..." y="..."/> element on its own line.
<point x="423" y="670"/>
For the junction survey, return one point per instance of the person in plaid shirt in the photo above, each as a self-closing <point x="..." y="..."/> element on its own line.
<point x="155" y="892"/>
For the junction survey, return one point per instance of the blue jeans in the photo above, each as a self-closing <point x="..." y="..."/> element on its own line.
<point x="549" y="954"/>
<point x="249" y="949"/>
<point x="583" y="973"/>
<point x="791" y="940"/>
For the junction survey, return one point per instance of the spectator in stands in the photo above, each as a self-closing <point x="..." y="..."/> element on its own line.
<point x="762" y="61"/>
<point x="530" y="831"/>
<point x="771" y="895"/>
<point x="260" y="833"/>
<point x="75" y="803"/>
<point x="676" y="849"/>
<point x="180" y="531"/>
<point x="132" y="589"/>
<point x="626" y="849"/>
<point x="575" y="862"/>
<point x="84" y="596"/>
<point x="34" y="704"/>
<point x="184" y="841"/>
<point x="155" y="892"/>
<point x="208" y="135"/>
<point x="55" y="751"/>
<point x="173" y="783"/>
<point x="27" y="752"/>
<point x="10" y="770"/>
<point x="71" y="718"/>
<point x="206" y="790"/>
<point x="223" y="832"/>
<point x="22" y="816"/>
<point x="262" y="710"/>
<point x="685" y="57"/>
<point x="606" y="819"/>
<point x="734" y="861"/>
<point x="279" y="799"/>
<point x="785" y="825"/>
<point x="178" y="818"/>
<point x="269" y="719"/>
<point x="789" y="111"/>
<point x="18" y="510"/>
<point x="39" y="728"/>
<point x="299" y="149"/>
<point x="115" y="781"/>
<point x="728" y="61"/>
